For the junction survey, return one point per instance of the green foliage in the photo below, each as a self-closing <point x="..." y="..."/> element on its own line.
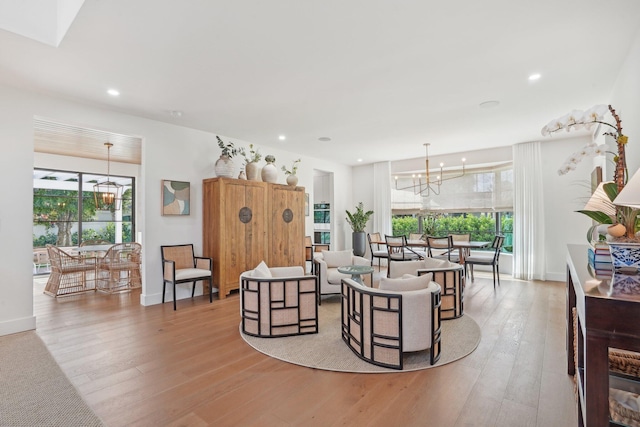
<point x="481" y="227"/>
<point x="358" y="219"/>
<point x="59" y="209"/>
<point x="228" y="149"/>
<point x="404" y="225"/>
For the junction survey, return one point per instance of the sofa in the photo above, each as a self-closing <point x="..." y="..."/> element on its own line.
<point x="326" y="268"/>
<point x="380" y="325"/>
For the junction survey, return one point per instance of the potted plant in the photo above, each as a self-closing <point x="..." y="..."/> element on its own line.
<point x="269" y="171"/>
<point x="624" y="244"/>
<point x="358" y="221"/>
<point x="292" y="178"/>
<point x="224" y="165"/>
<point x="251" y="162"/>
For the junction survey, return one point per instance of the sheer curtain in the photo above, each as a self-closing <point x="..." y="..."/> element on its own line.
<point x="528" y="212"/>
<point x="381" y="198"/>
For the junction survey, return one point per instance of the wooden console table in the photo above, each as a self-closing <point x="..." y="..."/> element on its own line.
<point x="606" y="319"/>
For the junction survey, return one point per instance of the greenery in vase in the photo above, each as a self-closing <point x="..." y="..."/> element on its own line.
<point x="253" y="156"/>
<point x="294" y="168"/>
<point x="228" y="149"/>
<point x="270" y="158"/>
<point x="358" y="220"/>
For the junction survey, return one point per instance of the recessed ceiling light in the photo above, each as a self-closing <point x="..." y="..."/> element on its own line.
<point x="282" y="137"/>
<point x="324" y="139"/>
<point x="175" y="113"/>
<point x="359" y="160"/>
<point x="113" y="92"/>
<point x="489" y="104"/>
<point x="534" y="77"/>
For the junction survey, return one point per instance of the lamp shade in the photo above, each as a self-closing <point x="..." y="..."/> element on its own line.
<point x="630" y="194"/>
<point x="599" y="201"/>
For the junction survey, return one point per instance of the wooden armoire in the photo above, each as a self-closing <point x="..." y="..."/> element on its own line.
<point x="246" y="222"/>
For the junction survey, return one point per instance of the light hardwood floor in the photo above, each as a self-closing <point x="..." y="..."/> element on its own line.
<point x="151" y="366"/>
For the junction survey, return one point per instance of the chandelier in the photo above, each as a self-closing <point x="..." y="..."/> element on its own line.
<point x="424" y="186"/>
<point x="108" y="194"/>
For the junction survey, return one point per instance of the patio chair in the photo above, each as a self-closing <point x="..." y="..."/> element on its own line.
<point x="119" y="269"/>
<point x="69" y="274"/>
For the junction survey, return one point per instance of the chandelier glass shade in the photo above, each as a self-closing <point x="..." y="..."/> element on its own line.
<point x="425" y="185"/>
<point x="108" y="195"/>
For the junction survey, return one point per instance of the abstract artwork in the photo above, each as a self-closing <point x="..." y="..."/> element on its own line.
<point x="176" y="197"/>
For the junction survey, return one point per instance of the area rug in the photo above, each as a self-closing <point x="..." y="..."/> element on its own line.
<point x="34" y="391"/>
<point x="326" y="350"/>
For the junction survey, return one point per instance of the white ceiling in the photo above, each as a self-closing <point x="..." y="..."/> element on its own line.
<point x="379" y="77"/>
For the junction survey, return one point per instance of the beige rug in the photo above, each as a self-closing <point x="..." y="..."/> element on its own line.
<point x="327" y="351"/>
<point x="33" y="389"/>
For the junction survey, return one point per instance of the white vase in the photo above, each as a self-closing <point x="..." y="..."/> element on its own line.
<point x="224" y="167"/>
<point x="292" y="180"/>
<point x="253" y="171"/>
<point x="269" y="173"/>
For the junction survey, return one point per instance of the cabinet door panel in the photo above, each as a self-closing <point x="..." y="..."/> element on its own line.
<point x="286" y="238"/>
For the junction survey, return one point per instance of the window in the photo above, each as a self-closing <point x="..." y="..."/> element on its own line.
<point x="480" y="203"/>
<point x="65" y="214"/>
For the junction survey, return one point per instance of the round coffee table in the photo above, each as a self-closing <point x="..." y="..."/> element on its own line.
<point x="356" y="271"/>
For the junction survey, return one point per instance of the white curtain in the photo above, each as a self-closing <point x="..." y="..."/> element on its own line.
<point x="381" y="198"/>
<point x="528" y="212"/>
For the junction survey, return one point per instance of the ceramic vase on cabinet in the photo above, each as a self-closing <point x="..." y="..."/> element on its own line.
<point x="269" y="173"/>
<point x="292" y="180"/>
<point x="253" y="171"/>
<point x="224" y="167"/>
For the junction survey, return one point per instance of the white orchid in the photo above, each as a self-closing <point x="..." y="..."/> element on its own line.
<point x="577" y="119"/>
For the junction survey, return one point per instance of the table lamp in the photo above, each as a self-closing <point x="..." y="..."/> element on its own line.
<point x="630" y="194"/>
<point x="599" y="201"/>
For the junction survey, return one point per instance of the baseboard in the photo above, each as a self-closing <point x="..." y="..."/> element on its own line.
<point x="14" y="326"/>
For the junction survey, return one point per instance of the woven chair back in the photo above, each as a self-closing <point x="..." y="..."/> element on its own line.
<point x="182" y="255"/>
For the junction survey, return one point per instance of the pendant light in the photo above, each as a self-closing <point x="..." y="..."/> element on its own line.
<point x="108" y="194"/>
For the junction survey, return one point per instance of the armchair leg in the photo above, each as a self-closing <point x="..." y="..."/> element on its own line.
<point x="174" y="296"/>
<point x="164" y="286"/>
<point x="210" y="290"/>
<point x="193" y="289"/>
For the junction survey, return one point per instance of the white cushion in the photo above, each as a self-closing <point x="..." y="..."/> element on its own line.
<point x="188" y="273"/>
<point x="261" y="271"/>
<point x="411" y="283"/>
<point x="337" y="258"/>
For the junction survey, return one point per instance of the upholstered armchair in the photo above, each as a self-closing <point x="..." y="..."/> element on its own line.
<point x="278" y="302"/>
<point x="326" y="268"/>
<point x="380" y="325"/>
<point x="180" y="265"/>
<point x="449" y="275"/>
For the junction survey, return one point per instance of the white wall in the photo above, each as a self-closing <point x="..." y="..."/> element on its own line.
<point x="168" y="152"/>
<point x="625" y="98"/>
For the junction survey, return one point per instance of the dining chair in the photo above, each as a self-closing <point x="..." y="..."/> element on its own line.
<point x="416" y="236"/>
<point x="442" y="245"/>
<point x="492" y="259"/>
<point x="119" y="269"/>
<point x="68" y="273"/>
<point x="462" y="253"/>
<point x="375" y="248"/>
<point x="398" y="250"/>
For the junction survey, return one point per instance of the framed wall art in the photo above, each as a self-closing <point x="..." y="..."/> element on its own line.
<point x="176" y="197"/>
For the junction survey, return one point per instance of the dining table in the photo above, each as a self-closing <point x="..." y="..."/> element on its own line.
<point x="463" y="246"/>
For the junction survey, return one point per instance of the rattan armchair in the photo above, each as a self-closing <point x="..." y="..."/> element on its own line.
<point x="119" y="269"/>
<point x="69" y="274"/>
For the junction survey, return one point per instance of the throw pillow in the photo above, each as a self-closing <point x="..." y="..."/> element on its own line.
<point x="261" y="271"/>
<point x="337" y="258"/>
<point x="411" y="283"/>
